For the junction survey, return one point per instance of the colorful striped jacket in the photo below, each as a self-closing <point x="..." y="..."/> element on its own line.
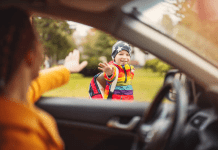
<point x="123" y="90"/>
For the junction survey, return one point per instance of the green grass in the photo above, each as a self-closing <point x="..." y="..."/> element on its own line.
<point x="145" y="86"/>
<point x="78" y="86"/>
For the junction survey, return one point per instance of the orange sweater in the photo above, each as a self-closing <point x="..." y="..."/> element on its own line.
<point x="23" y="125"/>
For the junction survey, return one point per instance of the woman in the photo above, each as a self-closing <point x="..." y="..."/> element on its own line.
<point x="22" y="124"/>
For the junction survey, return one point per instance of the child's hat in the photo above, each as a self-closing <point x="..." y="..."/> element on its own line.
<point x="119" y="46"/>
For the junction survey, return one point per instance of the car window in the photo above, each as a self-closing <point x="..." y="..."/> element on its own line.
<point x="61" y="37"/>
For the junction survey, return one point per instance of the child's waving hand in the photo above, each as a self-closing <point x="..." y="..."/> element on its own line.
<point x="105" y="67"/>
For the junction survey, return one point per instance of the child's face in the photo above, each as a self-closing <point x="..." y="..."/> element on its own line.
<point x="122" y="58"/>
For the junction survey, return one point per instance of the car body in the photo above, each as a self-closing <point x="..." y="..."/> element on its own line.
<point x="101" y="124"/>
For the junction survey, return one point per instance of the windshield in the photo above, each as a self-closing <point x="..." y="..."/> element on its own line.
<point x="179" y="19"/>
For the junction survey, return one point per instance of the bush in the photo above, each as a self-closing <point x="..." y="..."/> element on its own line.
<point x="156" y="65"/>
<point x="92" y="68"/>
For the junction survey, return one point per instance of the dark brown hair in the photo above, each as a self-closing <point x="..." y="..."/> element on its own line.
<point x="16" y="39"/>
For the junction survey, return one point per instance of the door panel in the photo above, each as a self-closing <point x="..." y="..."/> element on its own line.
<point x="82" y="123"/>
<point x="90" y="111"/>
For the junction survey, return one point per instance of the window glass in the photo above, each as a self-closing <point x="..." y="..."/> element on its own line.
<point x="180" y="20"/>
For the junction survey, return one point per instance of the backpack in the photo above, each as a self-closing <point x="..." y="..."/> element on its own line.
<point x="98" y="84"/>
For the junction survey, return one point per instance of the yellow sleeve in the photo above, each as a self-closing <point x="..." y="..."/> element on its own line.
<point x="48" y="79"/>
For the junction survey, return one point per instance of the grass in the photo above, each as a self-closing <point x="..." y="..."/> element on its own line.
<point x="145" y="85"/>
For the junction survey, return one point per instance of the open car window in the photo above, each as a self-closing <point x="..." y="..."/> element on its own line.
<point x="60" y="37"/>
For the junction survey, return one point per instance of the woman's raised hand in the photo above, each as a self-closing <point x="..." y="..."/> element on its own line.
<point x="72" y="62"/>
<point x="105" y="67"/>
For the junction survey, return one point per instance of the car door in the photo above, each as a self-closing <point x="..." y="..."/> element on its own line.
<point x="88" y="124"/>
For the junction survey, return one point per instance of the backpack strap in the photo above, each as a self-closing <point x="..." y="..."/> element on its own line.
<point x="101" y="82"/>
<point x="130" y="68"/>
<point x="113" y="85"/>
<point x="97" y="86"/>
<point x="94" y="89"/>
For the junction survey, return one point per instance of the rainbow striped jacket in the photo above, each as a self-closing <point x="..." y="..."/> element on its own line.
<point x="123" y="90"/>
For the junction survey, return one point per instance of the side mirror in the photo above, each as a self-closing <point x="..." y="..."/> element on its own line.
<point x="170" y="76"/>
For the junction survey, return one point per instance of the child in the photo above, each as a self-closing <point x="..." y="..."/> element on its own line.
<point x="121" y="52"/>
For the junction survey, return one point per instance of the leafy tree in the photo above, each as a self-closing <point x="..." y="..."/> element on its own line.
<point x="56" y="37"/>
<point x="156" y="65"/>
<point x="97" y="45"/>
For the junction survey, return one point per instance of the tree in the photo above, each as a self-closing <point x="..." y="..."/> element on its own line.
<point x="97" y="45"/>
<point x="156" y="65"/>
<point x="56" y="37"/>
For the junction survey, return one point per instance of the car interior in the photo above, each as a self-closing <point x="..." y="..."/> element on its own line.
<point x="188" y="122"/>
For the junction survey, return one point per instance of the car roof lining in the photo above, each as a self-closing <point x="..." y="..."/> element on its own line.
<point x="85" y="5"/>
<point x="89" y="5"/>
<point x="109" y="16"/>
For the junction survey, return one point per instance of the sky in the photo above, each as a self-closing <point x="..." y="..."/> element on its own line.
<point x="81" y="29"/>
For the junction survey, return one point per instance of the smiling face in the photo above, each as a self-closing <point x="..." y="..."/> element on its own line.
<point x="122" y="58"/>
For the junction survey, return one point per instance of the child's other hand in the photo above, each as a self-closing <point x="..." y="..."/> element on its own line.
<point x="133" y="70"/>
<point x="105" y="67"/>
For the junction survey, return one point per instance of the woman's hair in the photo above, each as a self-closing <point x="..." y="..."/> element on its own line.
<point x="16" y="39"/>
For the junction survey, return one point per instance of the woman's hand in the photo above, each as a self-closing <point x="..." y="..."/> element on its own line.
<point x="109" y="70"/>
<point x="72" y="62"/>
